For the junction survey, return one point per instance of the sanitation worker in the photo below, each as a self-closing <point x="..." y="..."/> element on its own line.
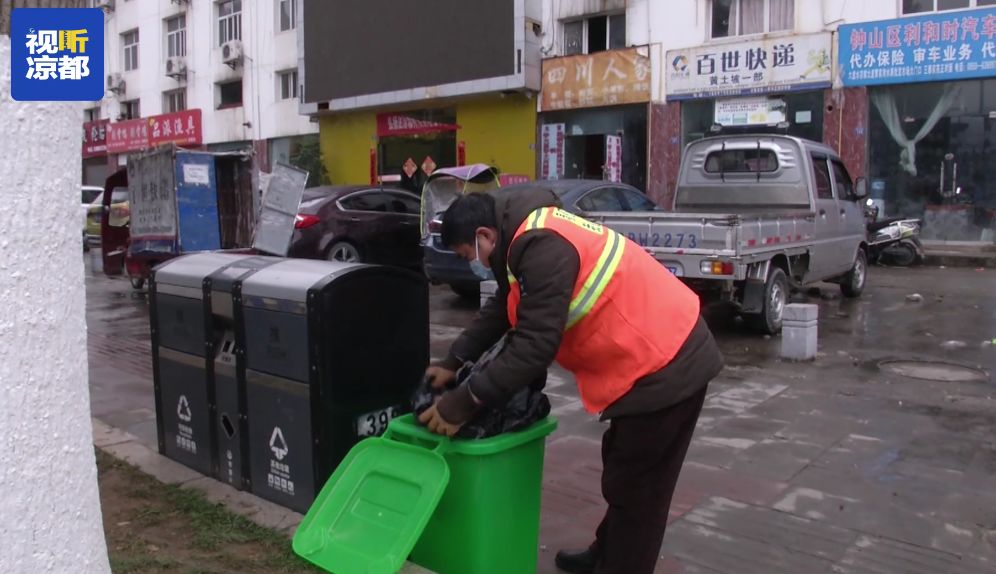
<point x="579" y="293"/>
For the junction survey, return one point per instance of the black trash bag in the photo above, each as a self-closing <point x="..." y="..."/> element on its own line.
<point x="525" y="407"/>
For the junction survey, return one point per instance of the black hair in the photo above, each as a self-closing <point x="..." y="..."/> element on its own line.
<point x="464" y="216"/>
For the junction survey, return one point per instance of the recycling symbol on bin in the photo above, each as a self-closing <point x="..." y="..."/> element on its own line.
<point x="183" y="409"/>
<point x="277" y="443"/>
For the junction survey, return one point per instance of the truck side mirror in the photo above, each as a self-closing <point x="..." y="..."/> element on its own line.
<point x="861" y="188"/>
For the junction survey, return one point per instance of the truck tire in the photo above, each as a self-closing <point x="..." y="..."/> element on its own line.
<point x="854" y="282"/>
<point x="776" y="293"/>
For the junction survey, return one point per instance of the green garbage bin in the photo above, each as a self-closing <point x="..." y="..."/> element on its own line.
<point x="486" y="520"/>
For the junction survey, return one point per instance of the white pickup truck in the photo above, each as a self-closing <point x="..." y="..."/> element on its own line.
<point x="753" y="217"/>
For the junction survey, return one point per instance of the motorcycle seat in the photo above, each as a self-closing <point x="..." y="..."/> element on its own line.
<point x="877" y="225"/>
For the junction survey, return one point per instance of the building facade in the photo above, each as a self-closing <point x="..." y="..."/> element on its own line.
<point x="903" y="89"/>
<point x="223" y="72"/>
<point x="929" y="76"/>
<point x="401" y="90"/>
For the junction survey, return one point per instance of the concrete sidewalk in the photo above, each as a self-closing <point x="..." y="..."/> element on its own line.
<point x="840" y="465"/>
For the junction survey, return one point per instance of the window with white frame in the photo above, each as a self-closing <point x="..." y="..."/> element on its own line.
<point x="129" y="50"/>
<point x="918" y="6"/>
<point x="747" y="17"/>
<point x="91" y="114"/>
<point x="130" y="110"/>
<point x="287" y="84"/>
<point x="174" y="101"/>
<point x="287" y="10"/>
<point x="595" y="34"/>
<point x="229" y="21"/>
<point x="176" y="36"/>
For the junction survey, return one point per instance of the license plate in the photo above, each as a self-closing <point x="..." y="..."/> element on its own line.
<point x="375" y="423"/>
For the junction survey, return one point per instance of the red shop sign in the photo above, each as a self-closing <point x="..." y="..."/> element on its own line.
<point x="402" y="125"/>
<point x="126" y="136"/>
<point x="181" y="128"/>
<point x="95" y="138"/>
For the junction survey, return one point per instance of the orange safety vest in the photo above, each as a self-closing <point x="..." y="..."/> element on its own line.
<point x="628" y="316"/>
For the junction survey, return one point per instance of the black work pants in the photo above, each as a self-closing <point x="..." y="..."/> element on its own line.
<point x="641" y="458"/>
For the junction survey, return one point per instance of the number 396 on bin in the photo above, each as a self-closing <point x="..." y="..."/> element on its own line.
<point x="57" y="54"/>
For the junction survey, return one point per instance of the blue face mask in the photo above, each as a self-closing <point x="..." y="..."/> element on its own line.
<point x="478" y="268"/>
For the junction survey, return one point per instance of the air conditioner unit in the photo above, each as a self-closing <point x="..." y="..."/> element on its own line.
<point x="115" y="83"/>
<point x="106" y="5"/>
<point x="176" y="67"/>
<point x="231" y="52"/>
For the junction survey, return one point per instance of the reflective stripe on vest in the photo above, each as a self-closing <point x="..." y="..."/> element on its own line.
<point x="600" y="275"/>
<point x="628" y="315"/>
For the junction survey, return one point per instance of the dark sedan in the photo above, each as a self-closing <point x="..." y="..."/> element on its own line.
<point x="358" y="224"/>
<point x="579" y="196"/>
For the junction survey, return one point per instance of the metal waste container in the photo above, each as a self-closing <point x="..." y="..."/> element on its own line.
<point x="227" y="369"/>
<point x="333" y="351"/>
<point x="182" y="358"/>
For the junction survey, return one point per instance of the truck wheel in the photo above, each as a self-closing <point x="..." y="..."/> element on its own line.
<point x="776" y="292"/>
<point x="854" y="281"/>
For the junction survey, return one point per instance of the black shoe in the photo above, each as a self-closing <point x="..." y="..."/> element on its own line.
<point x="576" y="561"/>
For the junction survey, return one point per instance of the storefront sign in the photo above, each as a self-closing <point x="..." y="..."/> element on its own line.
<point x="750" y="111"/>
<point x="507" y="179"/>
<point x="613" y="158"/>
<point x="552" y="158"/>
<point x="402" y="125"/>
<point x="599" y="79"/>
<point x="757" y="67"/>
<point x="941" y="46"/>
<point x="181" y="128"/>
<point x="127" y="136"/>
<point x="95" y="138"/>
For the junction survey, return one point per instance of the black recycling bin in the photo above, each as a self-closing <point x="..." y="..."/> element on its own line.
<point x="182" y="358"/>
<point x="227" y="369"/>
<point x="333" y="351"/>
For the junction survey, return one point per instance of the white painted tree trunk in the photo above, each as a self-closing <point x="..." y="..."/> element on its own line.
<point x="50" y="520"/>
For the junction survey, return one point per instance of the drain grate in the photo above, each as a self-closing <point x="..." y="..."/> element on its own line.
<point x="936" y="371"/>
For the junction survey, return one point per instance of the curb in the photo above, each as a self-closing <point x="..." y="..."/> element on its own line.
<point x="128" y="448"/>
<point x="940" y="258"/>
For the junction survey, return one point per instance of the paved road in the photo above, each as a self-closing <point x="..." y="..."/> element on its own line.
<point x="840" y="465"/>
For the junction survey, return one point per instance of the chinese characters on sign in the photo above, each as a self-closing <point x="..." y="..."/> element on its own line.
<point x="391" y="124"/>
<point x="745" y="68"/>
<point x="95" y="138"/>
<point x="129" y="135"/>
<point x="181" y="128"/>
<point x="929" y="48"/>
<point x="750" y="111"/>
<point x="613" y="158"/>
<point x="57" y="54"/>
<point x="552" y="158"/>
<point x="600" y="79"/>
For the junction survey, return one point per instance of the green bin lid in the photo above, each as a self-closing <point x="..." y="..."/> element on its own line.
<point x="372" y="510"/>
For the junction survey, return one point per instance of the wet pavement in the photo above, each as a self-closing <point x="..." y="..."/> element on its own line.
<point x="877" y="457"/>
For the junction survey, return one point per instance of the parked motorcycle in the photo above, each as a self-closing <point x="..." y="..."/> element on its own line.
<point x="893" y="241"/>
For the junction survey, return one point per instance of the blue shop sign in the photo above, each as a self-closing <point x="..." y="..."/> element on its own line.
<point x="930" y="48"/>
